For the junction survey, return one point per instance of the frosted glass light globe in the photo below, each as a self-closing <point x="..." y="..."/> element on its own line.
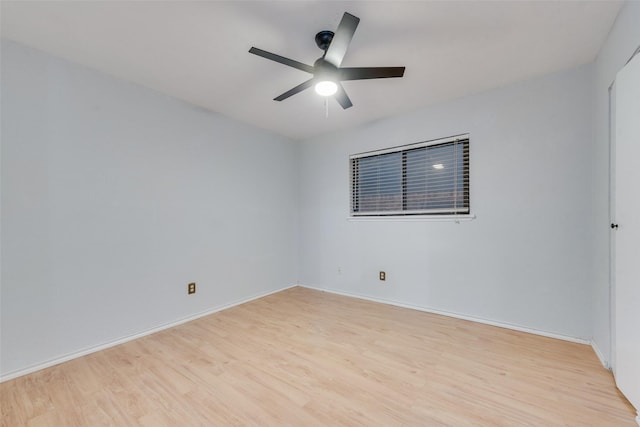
<point x="326" y="88"/>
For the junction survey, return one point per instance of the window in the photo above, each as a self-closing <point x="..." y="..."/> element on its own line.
<point x="428" y="178"/>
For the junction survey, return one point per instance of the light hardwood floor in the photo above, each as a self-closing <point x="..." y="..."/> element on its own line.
<point x="308" y="358"/>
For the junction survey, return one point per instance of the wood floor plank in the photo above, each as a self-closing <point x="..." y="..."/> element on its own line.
<point x="305" y="357"/>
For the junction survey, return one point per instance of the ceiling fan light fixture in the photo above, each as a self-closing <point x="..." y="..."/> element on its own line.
<point x="326" y="88"/>
<point x="327" y="73"/>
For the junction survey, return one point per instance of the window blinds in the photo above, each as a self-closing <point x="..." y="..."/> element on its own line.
<point x="419" y="179"/>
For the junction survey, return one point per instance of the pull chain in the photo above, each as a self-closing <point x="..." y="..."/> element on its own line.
<point x="326" y="108"/>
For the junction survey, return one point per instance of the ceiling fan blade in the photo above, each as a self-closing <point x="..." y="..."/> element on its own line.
<point x="282" y="60"/>
<point x="369" y="73"/>
<point x="342" y="97"/>
<point x="341" y="39"/>
<point x="297" y="89"/>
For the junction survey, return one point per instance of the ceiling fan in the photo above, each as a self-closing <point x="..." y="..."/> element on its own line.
<point x="327" y="73"/>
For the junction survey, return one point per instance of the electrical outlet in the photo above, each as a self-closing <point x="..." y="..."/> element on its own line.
<point x="191" y="288"/>
<point x="383" y="276"/>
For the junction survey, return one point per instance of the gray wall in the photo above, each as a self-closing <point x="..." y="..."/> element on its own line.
<point x="115" y="197"/>
<point x="622" y="41"/>
<point x="527" y="258"/>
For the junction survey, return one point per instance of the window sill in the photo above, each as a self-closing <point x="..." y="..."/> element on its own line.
<point x="415" y="218"/>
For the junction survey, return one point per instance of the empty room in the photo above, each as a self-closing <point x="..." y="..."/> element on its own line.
<point x="320" y="213"/>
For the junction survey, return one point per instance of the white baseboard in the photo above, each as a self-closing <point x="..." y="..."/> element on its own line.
<point x="74" y="355"/>
<point x="598" y="353"/>
<point x="638" y="419"/>
<point x="455" y="315"/>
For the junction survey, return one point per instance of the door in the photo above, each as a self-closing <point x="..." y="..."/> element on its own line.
<point x="627" y="232"/>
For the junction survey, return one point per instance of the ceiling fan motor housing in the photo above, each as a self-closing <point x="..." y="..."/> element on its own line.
<point x="324" y="70"/>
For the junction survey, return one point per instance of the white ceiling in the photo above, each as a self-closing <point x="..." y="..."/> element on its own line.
<point x="197" y="50"/>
